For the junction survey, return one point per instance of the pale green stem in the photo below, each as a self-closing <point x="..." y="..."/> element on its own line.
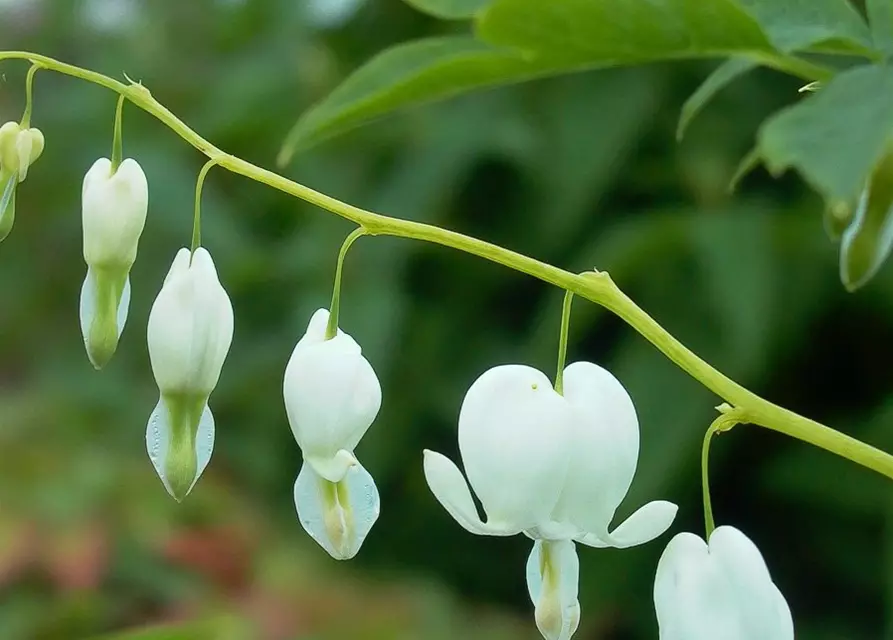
<point x="197" y="212"/>
<point x="596" y="287"/>
<point x="29" y="92"/>
<point x="118" y="141"/>
<point x="729" y="418"/>
<point x="335" y="307"/>
<point x="562" y="341"/>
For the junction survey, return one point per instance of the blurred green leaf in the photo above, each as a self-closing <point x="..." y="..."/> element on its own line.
<point x="408" y="74"/>
<point x="793" y="25"/>
<point x="836" y="136"/>
<point x="724" y="74"/>
<point x="880" y="17"/>
<point x="547" y="38"/>
<point x="612" y="32"/>
<point x="449" y="9"/>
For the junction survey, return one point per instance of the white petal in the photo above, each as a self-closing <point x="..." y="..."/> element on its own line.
<point x="160" y="443"/>
<point x="763" y="608"/>
<point x="23" y="149"/>
<point x="190" y="327"/>
<point x="333" y="468"/>
<point x="643" y="526"/>
<point x="692" y="598"/>
<point x="606" y="447"/>
<point x="553" y="575"/>
<point x="449" y="487"/>
<point x="332" y="396"/>
<point x="339" y="515"/>
<point x="88" y="308"/>
<point x="114" y="210"/>
<point x="514" y="438"/>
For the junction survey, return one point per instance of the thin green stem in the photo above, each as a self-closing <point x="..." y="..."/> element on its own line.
<point x="197" y="213"/>
<point x="594" y="286"/>
<point x="335" y="307"/>
<point x="562" y="340"/>
<point x="118" y="141"/>
<point x="729" y="418"/>
<point x="29" y="92"/>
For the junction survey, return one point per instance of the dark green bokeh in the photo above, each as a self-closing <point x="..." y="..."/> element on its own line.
<point x="581" y="171"/>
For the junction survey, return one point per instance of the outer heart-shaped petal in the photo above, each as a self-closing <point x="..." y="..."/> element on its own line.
<point x="515" y="441"/>
<point x="643" y="526"/>
<point x="606" y="447"/>
<point x="190" y="327"/>
<point x="763" y="608"/>
<point x="114" y="207"/>
<point x="722" y="590"/>
<point x="332" y="396"/>
<point x="451" y="490"/>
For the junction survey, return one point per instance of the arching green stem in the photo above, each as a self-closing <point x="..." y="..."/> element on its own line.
<point x="197" y="213"/>
<point x="117" y="141"/>
<point x="562" y="340"/>
<point x="597" y="287"/>
<point x="335" y="307"/>
<point x="29" y="92"/>
<point x="728" y="419"/>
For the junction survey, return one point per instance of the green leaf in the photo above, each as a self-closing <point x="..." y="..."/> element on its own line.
<point x="868" y="239"/>
<point x="568" y="34"/>
<point x="794" y="25"/>
<point x="612" y="32"/>
<point x="880" y="17"/>
<point x="724" y="74"/>
<point x="409" y="74"/>
<point x="449" y="9"/>
<point x="835" y="137"/>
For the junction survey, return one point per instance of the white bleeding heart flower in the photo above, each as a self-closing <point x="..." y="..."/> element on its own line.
<point x="189" y="334"/>
<point x="114" y="206"/>
<point x="332" y="396"/>
<point x="552" y="466"/>
<point x="718" y="590"/>
<point x="19" y="149"/>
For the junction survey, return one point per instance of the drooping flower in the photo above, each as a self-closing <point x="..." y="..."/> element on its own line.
<point x="332" y="396"/>
<point x="19" y="149"/>
<point x="114" y="206"/>
<point x="718" y="590"/>
<point x="554" y="467"/>
<point x="189" y="334"/>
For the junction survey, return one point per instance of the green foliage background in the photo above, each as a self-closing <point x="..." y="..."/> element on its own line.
<point x="581" y="171"/>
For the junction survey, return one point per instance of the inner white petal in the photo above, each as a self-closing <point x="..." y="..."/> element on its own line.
<point x="158" y="438"/>
<point x="553" y="573"/>
<point x="338" y="515"/>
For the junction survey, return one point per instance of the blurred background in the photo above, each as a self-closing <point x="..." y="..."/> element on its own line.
<point x="581" y="171"/>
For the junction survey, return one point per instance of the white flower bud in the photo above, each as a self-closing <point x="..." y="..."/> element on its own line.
<point x="720" y="590"/>
<point x="189" y="334"/>
<point x="19" y="148"/>
<point x="332" y="396"/>
<point x="114" y="205"/>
